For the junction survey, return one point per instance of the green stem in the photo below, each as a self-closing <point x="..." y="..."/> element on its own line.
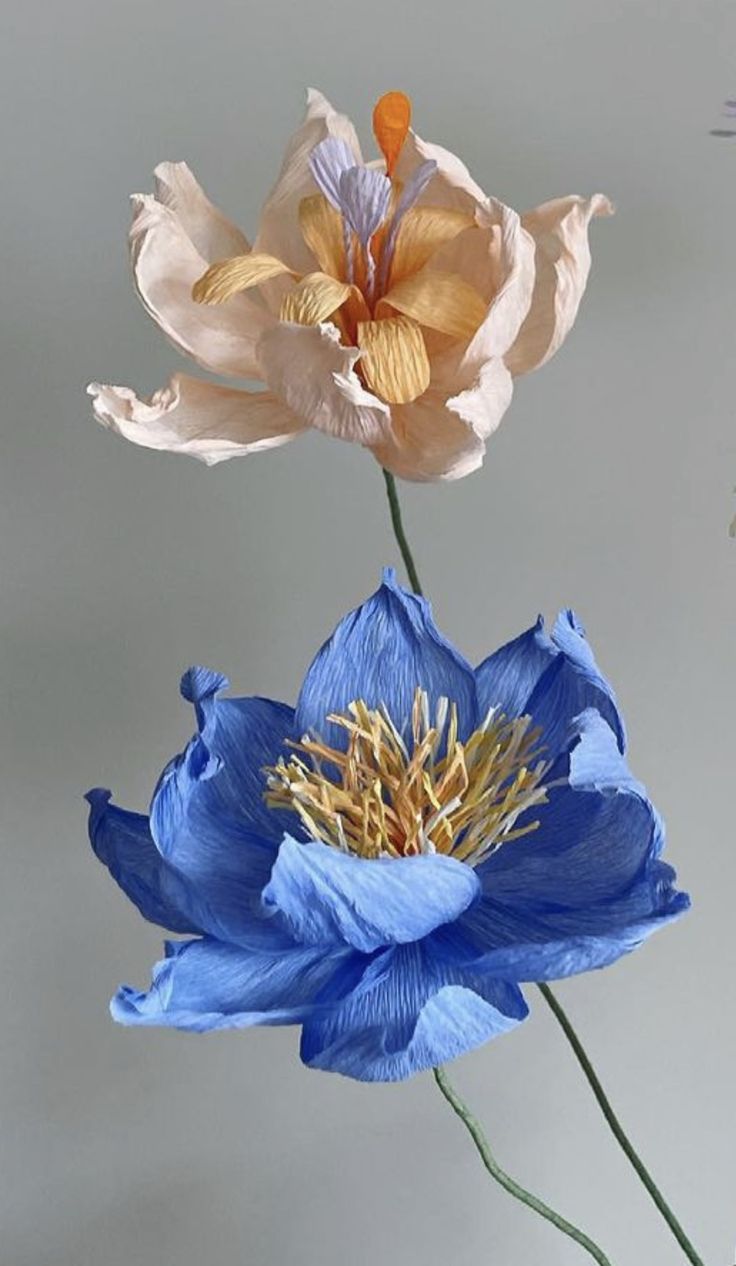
<point x="617" y="1129"/>
<point x="399" y="533"/>
<point x="577" y="1047"/>
<point x="505" y="1180"/>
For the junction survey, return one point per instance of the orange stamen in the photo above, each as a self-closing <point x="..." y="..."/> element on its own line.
<point x="391" y="120"/>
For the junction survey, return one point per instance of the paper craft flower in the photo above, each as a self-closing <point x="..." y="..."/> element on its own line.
<point x="386" y="863"/>
<point x="390" y="303"/>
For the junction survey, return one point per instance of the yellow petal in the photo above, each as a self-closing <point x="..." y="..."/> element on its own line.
<point x="321" y="227"/>
<point x="441" y="301"/>
<point x="314" y="299"/>
<point x="229" y="276"/>
<point x="394" y="359"/>
<point x="391" y="120"/>
<point x="423" y="230"/>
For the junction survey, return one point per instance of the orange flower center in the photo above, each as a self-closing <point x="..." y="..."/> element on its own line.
<point x="387" y="263"/>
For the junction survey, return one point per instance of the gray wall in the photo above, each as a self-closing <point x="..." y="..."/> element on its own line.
<point x="608" y="487"/>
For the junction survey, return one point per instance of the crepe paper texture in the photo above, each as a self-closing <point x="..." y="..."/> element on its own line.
<point x="390" y="303"/>
<point x="388" y="862"/>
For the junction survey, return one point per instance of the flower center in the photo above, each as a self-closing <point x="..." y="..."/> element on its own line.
<point x="388" y="794"/>
<point x="388" y="272"/>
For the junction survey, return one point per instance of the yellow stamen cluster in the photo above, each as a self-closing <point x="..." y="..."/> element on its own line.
<point x="385" y="797"/>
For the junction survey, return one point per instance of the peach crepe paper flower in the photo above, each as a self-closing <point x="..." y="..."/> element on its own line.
<point x="390" y="303"/>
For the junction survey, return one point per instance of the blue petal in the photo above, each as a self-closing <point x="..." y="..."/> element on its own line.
<point x="122" y="841"/>
<point x="551" y="953"/>
<point x="365" y="196"/>
<point x="203" y="985"/>
<point x="571" y="684"/>
<point x="587" y="885"/>
<point x="327" y="896"/>
<point x="208" y="816"/>
<point x="380" y="653"/>
<point x="595" y="833"/>
<point x="327" y="162"/>
<point x="554" y="679"/>
<point x="506" y="679"/>
<point x="411" y="1011"/>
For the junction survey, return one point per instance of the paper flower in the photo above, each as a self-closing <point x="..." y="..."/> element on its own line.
<point x="388" y="303"/>
<point x="386" y="863"/>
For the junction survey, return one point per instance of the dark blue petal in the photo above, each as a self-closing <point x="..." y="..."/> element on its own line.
<point x="506" y="679"/>
<point x="327" y="896"/>
<point x="586" y="886"/>
<point x="541" y="949"/>
<point x="380" y="653"/>
<point x="554" y="679"/>
<point x="122" y="840"/>
<point x="203" y="985"/>
<point x="411" y="1011"/>
<point x="595" y="833"/>
<point x="571" y="684"/>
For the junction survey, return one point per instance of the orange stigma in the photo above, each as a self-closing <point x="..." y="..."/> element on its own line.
<point x="391" y="121"/>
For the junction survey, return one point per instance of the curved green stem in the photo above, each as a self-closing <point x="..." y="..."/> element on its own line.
<point x="616" y="1127"/>
<point x="505" y="1180"/>
<point x="399" y="533"/>
<point x="577" y="1047"/>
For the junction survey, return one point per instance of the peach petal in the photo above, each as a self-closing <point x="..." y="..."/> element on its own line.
<point x="560" y="232"/>
<point x="279" y="231"/>
<point x="439" y="439"/>
<point x="209" y="231"/>
<point x="309" y="369"/>
<point x="198" y="418"/>
<point x="166" y="264"/>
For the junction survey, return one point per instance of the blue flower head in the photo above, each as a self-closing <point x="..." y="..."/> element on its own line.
<point x="388" y="862"/>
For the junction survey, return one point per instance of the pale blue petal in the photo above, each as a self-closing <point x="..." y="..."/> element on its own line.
<point x="326" y="896"/>
<point x="327" y="162"/>
<point x="365" y="196"/>
<point x="203" y="985"/>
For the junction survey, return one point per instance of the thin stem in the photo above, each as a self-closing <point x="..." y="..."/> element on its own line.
<point x="510" y="1184"/>
<point x="399" y="533"/>
<point x="577" y="1047"/>
<point x="616" y="1128"/>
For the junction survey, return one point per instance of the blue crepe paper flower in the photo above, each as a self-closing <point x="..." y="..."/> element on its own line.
<point x="392" y="961"/>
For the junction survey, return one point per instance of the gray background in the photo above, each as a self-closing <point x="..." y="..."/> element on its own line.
<point x="609" y="487"/>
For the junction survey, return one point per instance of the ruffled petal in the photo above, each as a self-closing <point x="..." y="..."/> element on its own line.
<point x="380" y="653"/>
<point x="209" y="231"/>
<point x="209" y="818"/>
<point x="122" y="841"/>
<point x="279" y="232"/>
<point x="409" y="1011"/>
<point x="308" y="368"/>
<point x="200" y="419"/>
<point x="166" y="264"/>
<point x="552" y="678"/>
<point x="562" y="264"/>
<point x="436" y="438"/>
<point x="329" y="897"/>
<point x="204" y="985"/>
